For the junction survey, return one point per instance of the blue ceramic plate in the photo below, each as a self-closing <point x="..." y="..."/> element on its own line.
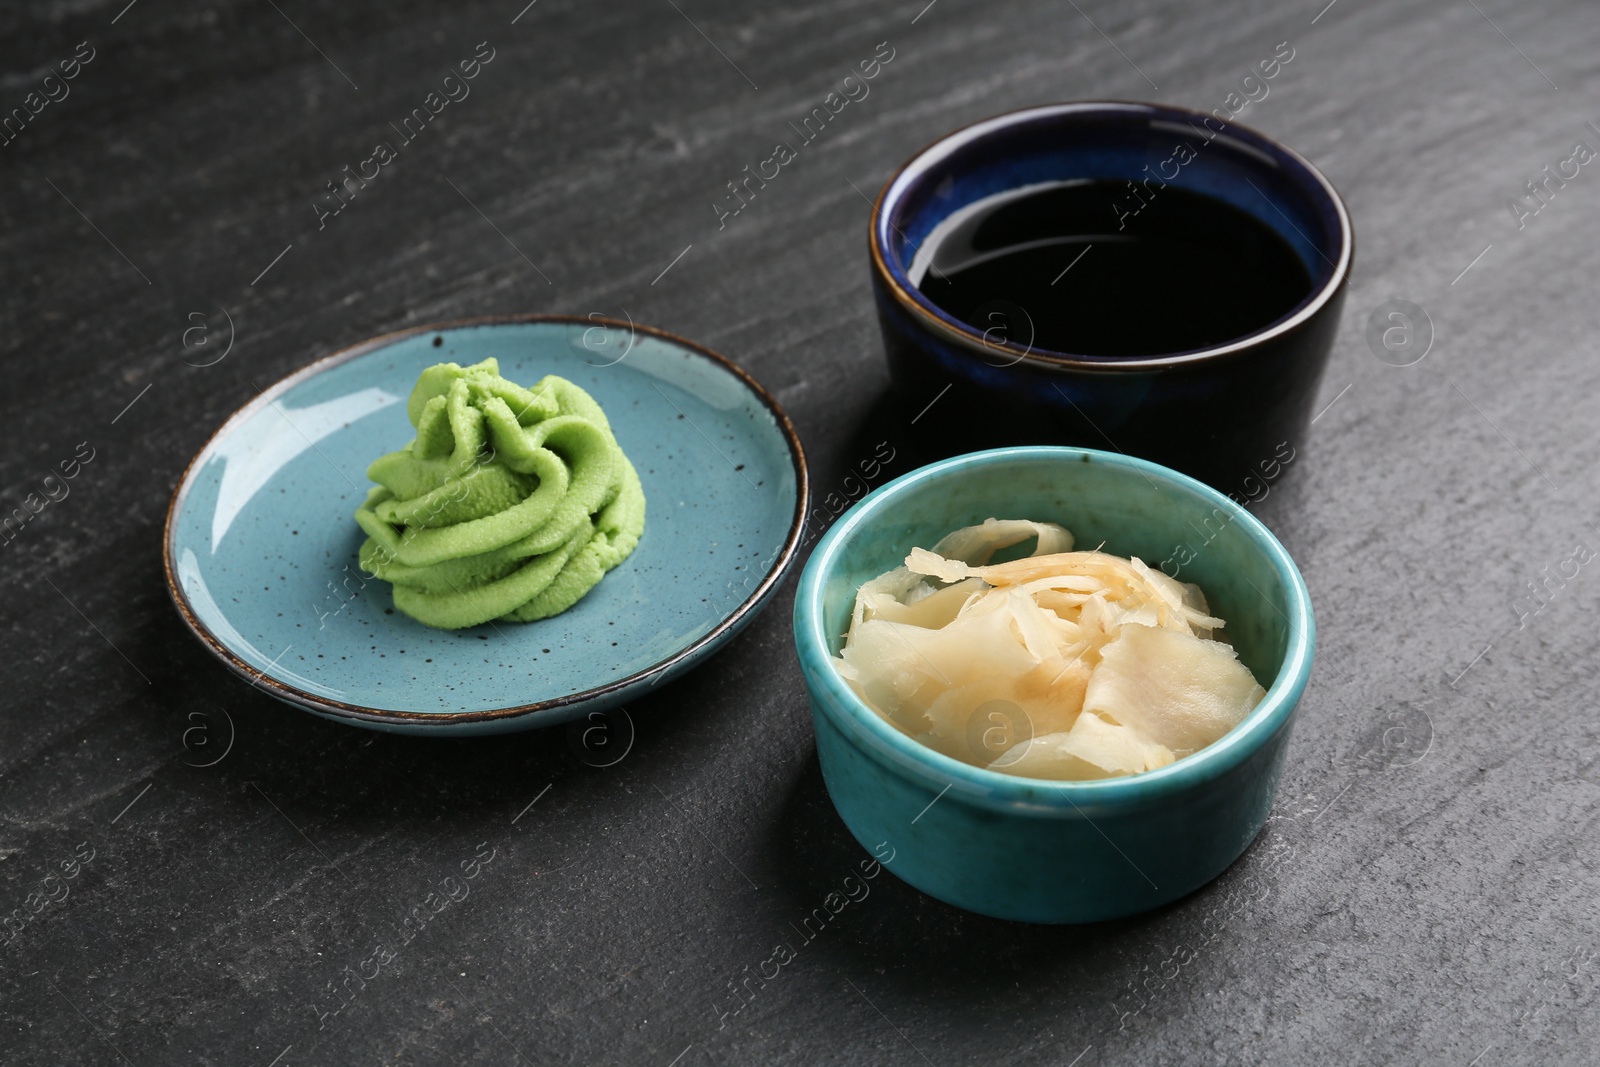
<point x="261" y="546"/>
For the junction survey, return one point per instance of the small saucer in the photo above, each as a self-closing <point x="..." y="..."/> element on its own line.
<point x="260" y="545"/>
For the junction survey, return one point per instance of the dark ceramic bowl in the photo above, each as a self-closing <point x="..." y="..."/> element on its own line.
<point x="1223" y="413"/>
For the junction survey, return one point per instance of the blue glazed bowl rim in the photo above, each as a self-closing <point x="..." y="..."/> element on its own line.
<point x="893" y="275"/>
<point x="444" y="721"/>
<point x="1007" y="792"/>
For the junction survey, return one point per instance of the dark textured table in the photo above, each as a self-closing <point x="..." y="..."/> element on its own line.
<point x="192" y="873"/>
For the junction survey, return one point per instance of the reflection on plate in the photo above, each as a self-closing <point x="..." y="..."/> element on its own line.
<point x="261" y="547"/>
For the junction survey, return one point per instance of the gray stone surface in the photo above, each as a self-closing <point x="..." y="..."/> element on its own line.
<point x="1426" y="890"/>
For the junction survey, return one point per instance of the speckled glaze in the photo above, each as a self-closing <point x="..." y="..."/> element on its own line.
<point x="260" y="545"/>
<point x="1214" y="413"/>
<point x="1058" y="852"/>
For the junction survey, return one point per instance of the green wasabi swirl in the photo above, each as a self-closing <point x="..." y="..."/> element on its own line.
<point x="511" y="503"/>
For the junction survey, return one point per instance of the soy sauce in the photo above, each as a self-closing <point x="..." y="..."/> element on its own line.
<point x="1087" y="268"/>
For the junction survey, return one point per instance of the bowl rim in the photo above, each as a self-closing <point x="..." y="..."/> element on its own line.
<point x="446" y="720"/>
<point x="995" y="789"/>
<point x="947" y="326"/>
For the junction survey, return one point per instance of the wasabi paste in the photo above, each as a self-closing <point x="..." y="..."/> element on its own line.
<point x="509" y="505"/>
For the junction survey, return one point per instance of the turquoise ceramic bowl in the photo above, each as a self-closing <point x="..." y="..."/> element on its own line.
<point x="1041" y="851"/>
